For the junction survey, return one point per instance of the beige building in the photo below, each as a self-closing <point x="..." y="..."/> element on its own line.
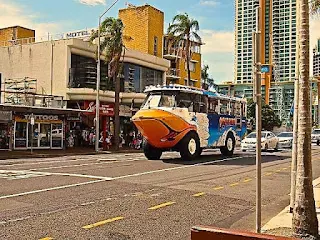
<point x="54" y="66"/>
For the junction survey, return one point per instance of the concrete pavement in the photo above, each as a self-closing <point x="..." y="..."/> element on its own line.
<point x="284" y="218"/>
<point x="125" y="196"/>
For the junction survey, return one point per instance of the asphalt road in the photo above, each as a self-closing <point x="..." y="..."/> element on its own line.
<point x="125" y="196"/>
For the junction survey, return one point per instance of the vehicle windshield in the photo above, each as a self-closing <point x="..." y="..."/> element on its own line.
<point x="285" y="134"/>
<point x="254" y="135"/>
<point x="165" y="99"/>
<point x="317" y="131"/>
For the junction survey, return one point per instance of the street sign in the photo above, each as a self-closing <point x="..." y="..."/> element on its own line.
<point x="265" y="68"/>
<point x="32" y="120"/>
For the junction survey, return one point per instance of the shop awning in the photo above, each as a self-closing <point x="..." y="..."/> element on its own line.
<point x="41" y="110"/>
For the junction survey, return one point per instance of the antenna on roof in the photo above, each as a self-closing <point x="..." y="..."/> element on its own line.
<point x="129" y="5"/>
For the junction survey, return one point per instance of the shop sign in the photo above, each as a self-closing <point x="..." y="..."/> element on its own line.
<point x="37" y="118"/>
<point x="5" y="116"/>
<point x="105" y="109"/>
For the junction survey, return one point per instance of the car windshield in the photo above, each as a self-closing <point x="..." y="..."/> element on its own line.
<point x="159" y="100"/>
<point x="317" y="131"/>
<point x="285" y="134"/>
<point x="254" y="135"/>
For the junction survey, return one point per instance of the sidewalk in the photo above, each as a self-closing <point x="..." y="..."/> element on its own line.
<point x="19" y="154"/>
<point x="282" y="223"/>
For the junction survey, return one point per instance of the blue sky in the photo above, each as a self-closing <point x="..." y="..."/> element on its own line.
<point x="216" y="18"/>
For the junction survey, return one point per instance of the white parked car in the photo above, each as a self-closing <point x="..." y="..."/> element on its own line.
<point x="268" y="141"/>
<point x="285" y="139"/>
<point x="315" y="136"/>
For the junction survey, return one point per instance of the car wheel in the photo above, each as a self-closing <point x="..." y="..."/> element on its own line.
<point x="190" y="146"/>
<point x="151" y="153"/>
<point x="228" y="148"/>
<point x="266" y="147"/>
<point x="277" y="147"/>
<point x="318" y="142"/>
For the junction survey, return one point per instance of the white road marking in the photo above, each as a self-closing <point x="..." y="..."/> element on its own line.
<point x="33" y="173"/>
<point x="175" y="168"/>
<point x="104" y="179"/>
<point x="85" y="164"/>
<point x="51" y="189"/>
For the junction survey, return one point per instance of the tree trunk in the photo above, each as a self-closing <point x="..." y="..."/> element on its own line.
<point x="304" y="221"/>
<point x="188" y="61"/>
<point x="116" y="113"/>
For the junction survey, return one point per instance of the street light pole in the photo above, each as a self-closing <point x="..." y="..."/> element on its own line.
<point x="257" y="98"/>
<point x="97" y="120"/>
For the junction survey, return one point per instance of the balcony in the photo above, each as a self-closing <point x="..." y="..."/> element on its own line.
<point x="173" y="73"/>
<point x="172" y="53"/>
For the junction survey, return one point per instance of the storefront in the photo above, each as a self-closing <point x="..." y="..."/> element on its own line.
<point x="5" y="129"/>
<point x="38" y="131"/>
<point x="26" y="127"/>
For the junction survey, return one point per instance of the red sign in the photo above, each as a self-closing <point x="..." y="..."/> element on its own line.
<point x="105" y="109"/>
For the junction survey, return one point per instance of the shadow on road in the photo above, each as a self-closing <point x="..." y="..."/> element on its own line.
<point x="237" y="159"/>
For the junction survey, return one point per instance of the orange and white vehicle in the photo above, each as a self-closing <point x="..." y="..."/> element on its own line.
<point x="188" y="120"/>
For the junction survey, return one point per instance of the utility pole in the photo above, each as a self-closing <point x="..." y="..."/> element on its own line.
<point x="97" y="120"/>
<point x="257" y="99"/>
<point x="295" y="121"/>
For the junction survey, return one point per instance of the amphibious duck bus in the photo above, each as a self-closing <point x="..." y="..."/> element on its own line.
<point x="188" y="120"/>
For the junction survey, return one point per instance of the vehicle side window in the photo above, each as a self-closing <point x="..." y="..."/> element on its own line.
<point x="224" y="107"/>
<point x="213" y="105"/>
<point x="184" y="101"/>
<point x="200" y="103"/>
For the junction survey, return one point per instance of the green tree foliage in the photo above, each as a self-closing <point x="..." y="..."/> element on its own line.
<point x="269" y="118"/>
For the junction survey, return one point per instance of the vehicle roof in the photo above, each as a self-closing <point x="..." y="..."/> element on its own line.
<point x="182" y="88"/>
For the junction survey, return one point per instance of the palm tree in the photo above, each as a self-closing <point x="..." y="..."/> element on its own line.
<point x="185" y="29"/>
<point x="113" y="47"/>
<point x="304" y="221"/>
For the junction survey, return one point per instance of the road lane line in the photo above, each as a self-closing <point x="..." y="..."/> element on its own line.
<point x="161" y="205"/>
<point x="199" y="194"/>
<point x="85" y="164"/>
<point x="97" y="224"/>
<point x="46" y="238"/>
<point x="284" y="168"/>
<point x="218" y="188"/>
<point x="176" y="168"/>
<point x="234" y="184"/>
<point x="247" y="180"/>
<point x="268" y="174"/>
<point x="51" y="189"/>
<point x="279" y="170"/>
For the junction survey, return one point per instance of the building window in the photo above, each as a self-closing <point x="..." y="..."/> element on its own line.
<point x="155" y="46"/>
<point x="192" y="66"/>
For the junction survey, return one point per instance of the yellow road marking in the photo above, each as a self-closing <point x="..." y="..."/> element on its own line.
<point x="268" y="174"/>
<point x="218" y="188"/>
<point x="284" y="168"/>
<point x="46" y="238"/>
<point x="234" y="184"/>
<point x="247" y="180"/>
<point x="279" y="170"/>
<point x="97" y="224"/>
<point x="199" y="194"/>
<point x="161" y="205"/>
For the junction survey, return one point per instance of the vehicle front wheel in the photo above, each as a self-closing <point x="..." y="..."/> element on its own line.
<point x="230" y="143"/>
<point x="266" y="147"/>
<point x="318" y="142"/>
<point x="190" y="146"/>
<point x="276" y="147"/>
<point x="151" y="153"/>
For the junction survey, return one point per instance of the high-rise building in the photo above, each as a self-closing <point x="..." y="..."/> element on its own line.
<point x="316" y="60"/>
<point x="278" y="49"/>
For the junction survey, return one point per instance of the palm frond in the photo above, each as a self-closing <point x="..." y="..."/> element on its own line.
<point x="194" y="25"/>
<point x="315" y="6"/>
<point x="196" y="37"/>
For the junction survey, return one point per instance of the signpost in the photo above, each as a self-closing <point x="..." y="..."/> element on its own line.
<point x="257" y="98"/>
<point x="32" y="125"/>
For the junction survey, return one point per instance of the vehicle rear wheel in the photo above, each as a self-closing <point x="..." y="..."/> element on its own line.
<point x="266" y="147"/>
<point x="151" y="152"/>
<point x="230" y="143"/>
<point x="190" y="146"/>
<point x="318" y="142"/>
